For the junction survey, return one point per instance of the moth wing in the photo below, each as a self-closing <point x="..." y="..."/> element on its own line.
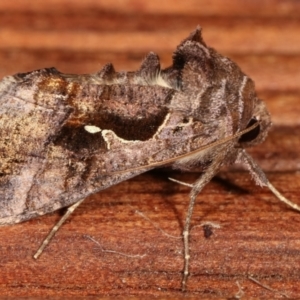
<point x="48" y="158"/>
<point x="65" y="137"/>
<point x="28" y="121"/>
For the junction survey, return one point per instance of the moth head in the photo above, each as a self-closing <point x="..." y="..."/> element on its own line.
<point x="258" y="134"/>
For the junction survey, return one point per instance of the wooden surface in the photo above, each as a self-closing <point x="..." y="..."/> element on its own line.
<point x="258" y="239"/>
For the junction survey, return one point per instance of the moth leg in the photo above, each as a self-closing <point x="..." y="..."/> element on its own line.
<point x="261" y="179"/>
<point x="180" y="182"/>
<point x="196" y="189"/>
<point x="55" y="228"/>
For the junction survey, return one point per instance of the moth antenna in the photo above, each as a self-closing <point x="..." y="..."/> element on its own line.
<point x="173" y="159"/>
<point x="261" y="179"/>
<point x="107" y="73"/>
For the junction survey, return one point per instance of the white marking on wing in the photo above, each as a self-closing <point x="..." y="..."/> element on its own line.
<point x="92" y="129"/>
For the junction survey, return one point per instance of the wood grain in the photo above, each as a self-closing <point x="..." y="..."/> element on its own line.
<point x="258" y="238"/>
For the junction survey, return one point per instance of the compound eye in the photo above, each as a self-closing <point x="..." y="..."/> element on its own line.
<point x="251" y="135"/>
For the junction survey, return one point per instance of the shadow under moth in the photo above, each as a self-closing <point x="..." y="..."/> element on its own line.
<point x="64" y="137"/>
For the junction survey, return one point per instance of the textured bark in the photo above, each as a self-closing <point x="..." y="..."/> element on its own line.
<point x="258" y="237"/>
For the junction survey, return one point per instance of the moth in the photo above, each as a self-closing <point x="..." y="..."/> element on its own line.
<point x="64" y="137"/>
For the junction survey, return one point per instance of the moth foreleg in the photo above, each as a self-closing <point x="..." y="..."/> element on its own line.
<point x="56" y="227"/>
<point x="261" y="179"/>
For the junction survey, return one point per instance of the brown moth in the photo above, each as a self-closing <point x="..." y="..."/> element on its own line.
<point x="64" y="137"/>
